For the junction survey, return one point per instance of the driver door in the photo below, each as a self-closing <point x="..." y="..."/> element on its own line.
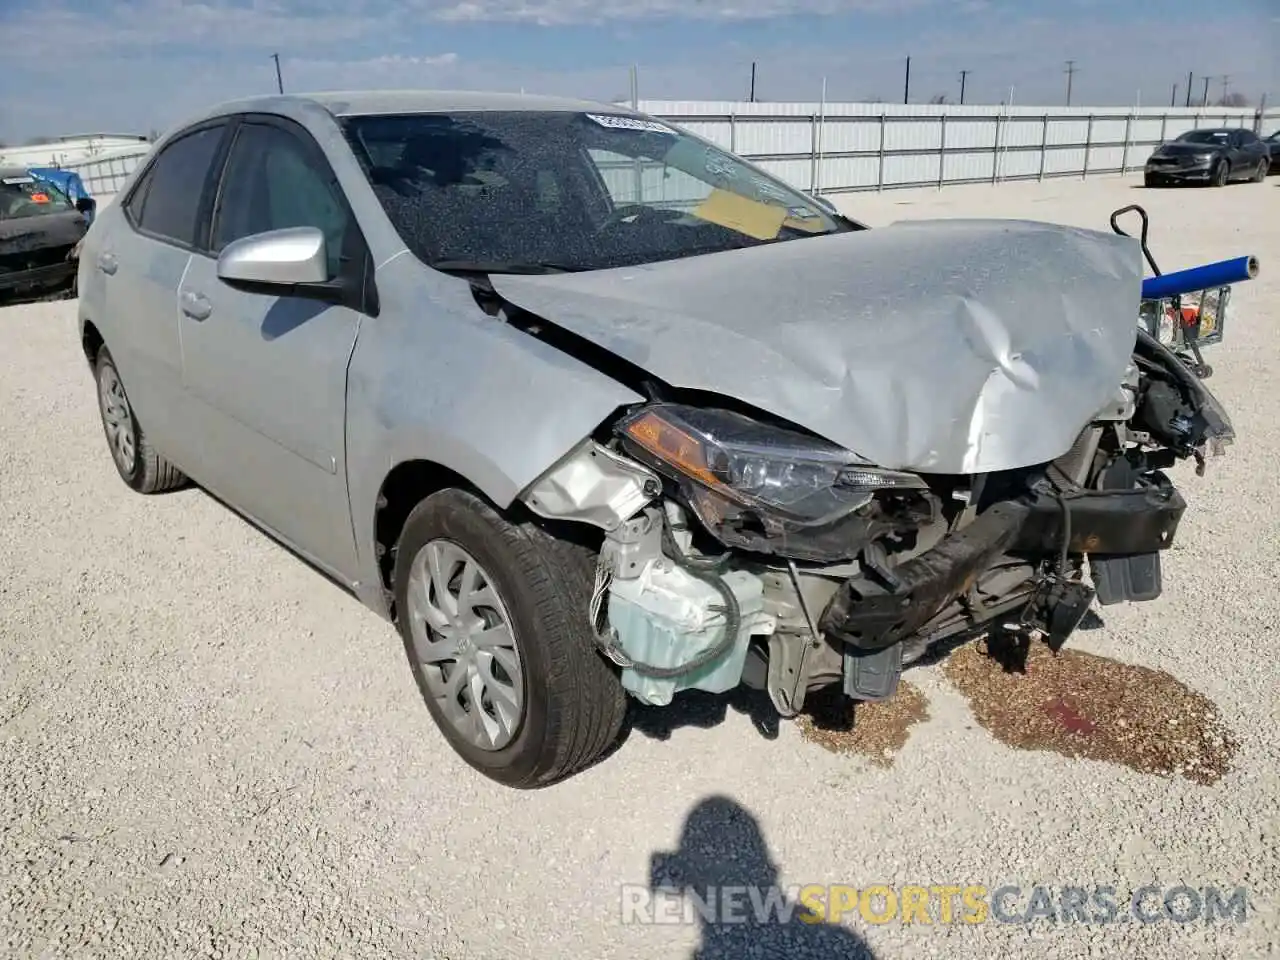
<point x="267" y="374"/>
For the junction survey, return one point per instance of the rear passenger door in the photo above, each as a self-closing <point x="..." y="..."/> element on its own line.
<point x="138" y="267"/>
<point x="267" y="374"/>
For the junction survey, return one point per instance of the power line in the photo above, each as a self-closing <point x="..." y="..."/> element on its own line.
<point x="1071" y="75"/>
<point x="964" y="75"/>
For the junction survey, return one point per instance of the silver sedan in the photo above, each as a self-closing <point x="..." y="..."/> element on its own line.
<point x="592" y="409"/>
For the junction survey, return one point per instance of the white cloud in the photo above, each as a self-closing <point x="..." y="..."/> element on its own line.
<point x="562" y="12"/>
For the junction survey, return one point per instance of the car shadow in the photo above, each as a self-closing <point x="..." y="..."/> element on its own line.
<point x="694" y="708"/>
<point x="289" y="313"/>
<point x="723" y="870"/>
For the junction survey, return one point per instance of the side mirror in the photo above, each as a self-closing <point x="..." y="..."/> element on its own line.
<point x="86" y="205"/>
<point x="278" y="261"/>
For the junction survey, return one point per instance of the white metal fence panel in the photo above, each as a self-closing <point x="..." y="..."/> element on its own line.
<point x="867" y="146"/>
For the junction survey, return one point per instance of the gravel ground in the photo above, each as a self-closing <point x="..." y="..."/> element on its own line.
<point x="208" y="750"/>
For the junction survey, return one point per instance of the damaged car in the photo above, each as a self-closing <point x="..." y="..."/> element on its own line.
<point x="40" y="233"/>
<point x="593" y="410"/>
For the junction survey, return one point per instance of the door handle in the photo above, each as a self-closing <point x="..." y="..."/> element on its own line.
<point x="196" y="306"/>
<point x="107" y="263"/>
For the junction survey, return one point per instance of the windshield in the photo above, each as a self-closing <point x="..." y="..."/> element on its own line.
<point x="25" y="196"/>
<point x="1206" y="136"/>
<point x="526" y="190"/>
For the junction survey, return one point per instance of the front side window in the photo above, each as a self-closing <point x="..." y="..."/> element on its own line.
<point x="272" y="181"/>
<point x="570" y="191"/>
<point x="168" y="198"/>
<point x="26" y="196"/>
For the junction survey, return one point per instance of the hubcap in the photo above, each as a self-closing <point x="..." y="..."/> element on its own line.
<point x="117" y="419"/>
<point x="465" y="644"/>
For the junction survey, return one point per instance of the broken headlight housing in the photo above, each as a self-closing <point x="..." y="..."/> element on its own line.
<point x="768" y="490"/>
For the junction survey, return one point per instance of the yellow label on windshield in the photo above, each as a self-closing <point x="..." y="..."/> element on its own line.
<point x="760" y="221"/>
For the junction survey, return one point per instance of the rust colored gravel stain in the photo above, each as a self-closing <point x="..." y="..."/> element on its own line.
<point x="875" y="729"/>
<point x="1081" y="705"/>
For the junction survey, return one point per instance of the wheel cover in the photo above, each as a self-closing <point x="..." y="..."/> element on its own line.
<point x="118" y="419"/>
<point x="465" y="644"/>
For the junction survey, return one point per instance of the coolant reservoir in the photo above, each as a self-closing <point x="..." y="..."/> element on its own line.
<point x="665" y="617"/>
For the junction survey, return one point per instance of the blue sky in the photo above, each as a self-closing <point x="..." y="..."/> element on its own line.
<point x="134" y="65"/>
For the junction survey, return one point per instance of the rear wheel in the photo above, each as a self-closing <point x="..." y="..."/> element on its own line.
<point x="137" y="462"/>
<point x="494" y="619"/>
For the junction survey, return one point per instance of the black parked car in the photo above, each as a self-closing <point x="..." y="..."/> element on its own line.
<point x="40" y="233"/>
<point x="1273" y="144"/>
<point x="1214" y="157"/>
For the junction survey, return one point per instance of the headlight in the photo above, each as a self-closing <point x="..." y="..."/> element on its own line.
<point x="770" y="490"/>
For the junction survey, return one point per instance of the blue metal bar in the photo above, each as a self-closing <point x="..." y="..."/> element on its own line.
<point x="1206" y="277"/>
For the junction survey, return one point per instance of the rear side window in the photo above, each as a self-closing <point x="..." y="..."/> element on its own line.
<point x="167" y="201"/>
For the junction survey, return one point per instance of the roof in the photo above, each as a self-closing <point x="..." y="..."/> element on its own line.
<point x="354" y="103"/>
<point x="366" y="102"/>
<point x="12" y="171"/>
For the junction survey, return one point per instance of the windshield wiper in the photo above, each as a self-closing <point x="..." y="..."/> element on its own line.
<point x="503" y="266"/>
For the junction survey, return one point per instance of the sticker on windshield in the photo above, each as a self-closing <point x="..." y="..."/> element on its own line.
<point x="618" y="122"/>
<point x="719" y="165"/>
<point x="17" y="180"/>
<point x="767" y="189"/>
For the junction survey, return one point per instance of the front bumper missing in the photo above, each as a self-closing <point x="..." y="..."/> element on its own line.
<point x="870" y="616"/>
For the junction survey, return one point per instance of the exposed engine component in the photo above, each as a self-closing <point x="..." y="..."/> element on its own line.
<point x="674" y="620"/>
<point x="595" y="485"/>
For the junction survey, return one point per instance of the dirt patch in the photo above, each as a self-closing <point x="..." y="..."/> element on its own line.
<point x="1081" y="705"/>
<point x="875" y="729"/>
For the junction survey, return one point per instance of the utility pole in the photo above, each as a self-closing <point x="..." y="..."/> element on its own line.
<point x="1226" y="85"/>
<point x="1190" y="77"/>
<point x="753" y="81"/>
<point x="279" y="79"/>
<point x="1071" y="75"/>
<point x="906" y="89"/>
<point x="964" y="74"/>
<point x="1173" y="99"/>
<point x="1204" y="100"/>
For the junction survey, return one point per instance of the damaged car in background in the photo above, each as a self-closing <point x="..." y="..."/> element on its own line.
<point x="40" y="233"/>
<point x="592" y="409"/>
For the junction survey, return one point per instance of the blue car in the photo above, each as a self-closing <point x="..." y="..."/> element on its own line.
<point x="69" y="182"/>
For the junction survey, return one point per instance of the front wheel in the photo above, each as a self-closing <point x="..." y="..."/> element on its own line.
<point x="494" y="619"/>
<point x="1260" y="175"/>
<point x="1221" y="173"/>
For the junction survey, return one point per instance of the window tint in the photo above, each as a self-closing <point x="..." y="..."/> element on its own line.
<point x="1247" y="137"/>
<point x="274" y="180"/>
<point x="170" y="195"/>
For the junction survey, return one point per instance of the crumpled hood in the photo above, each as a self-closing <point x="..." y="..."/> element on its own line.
<point x="950" y="346"/>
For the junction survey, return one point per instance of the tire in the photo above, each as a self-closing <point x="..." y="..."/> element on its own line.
<point x="1264" y="168"/>
<point x="1150" y="182"/>
<point x="1221" y="174"/>
<point x="139" y="464"/>
<point x="571" y="702"/>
